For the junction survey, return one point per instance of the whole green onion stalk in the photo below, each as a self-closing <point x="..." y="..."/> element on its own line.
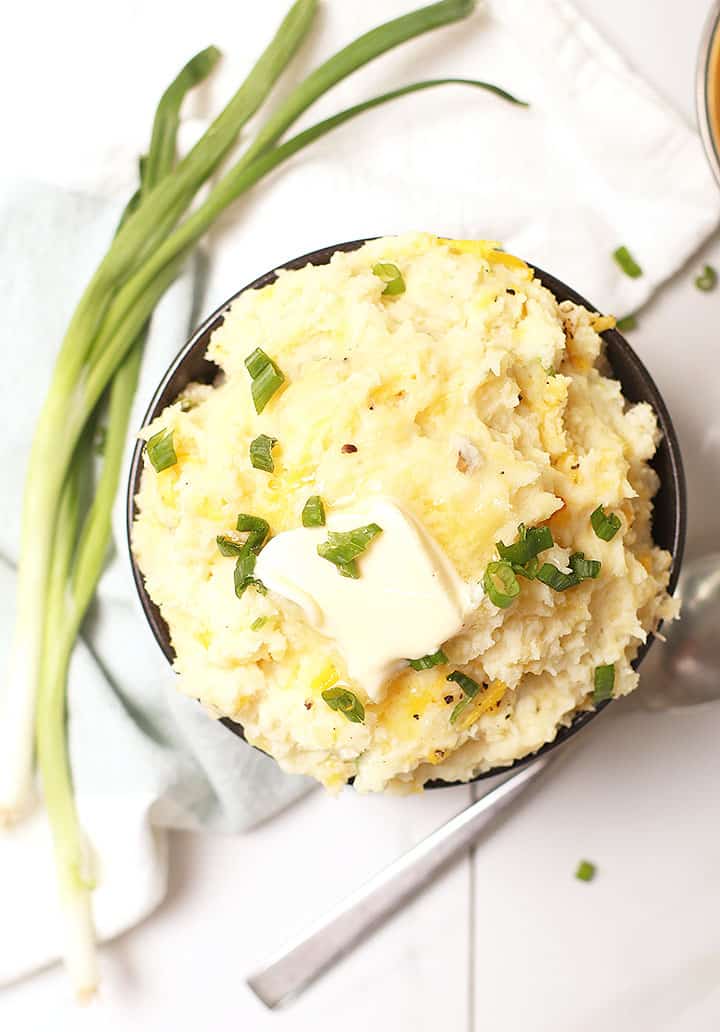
<point x="63" y="546"/>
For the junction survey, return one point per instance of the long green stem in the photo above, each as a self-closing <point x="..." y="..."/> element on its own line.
<point x="44" y="480"/>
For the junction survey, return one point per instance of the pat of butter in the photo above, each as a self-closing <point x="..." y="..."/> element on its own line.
<point x="407" y="601"/>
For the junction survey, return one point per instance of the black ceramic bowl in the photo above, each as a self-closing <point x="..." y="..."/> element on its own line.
<point x="191" y="365"/>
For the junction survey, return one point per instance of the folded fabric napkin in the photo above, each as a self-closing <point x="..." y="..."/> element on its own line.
<point x="596" y="161"/>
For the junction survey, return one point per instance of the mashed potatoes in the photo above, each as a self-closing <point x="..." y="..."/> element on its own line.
<point x="477" y="402"/>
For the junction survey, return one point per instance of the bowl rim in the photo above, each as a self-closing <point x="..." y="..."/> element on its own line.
<point x="323" y="255"/>
<point x="710" y="31"/>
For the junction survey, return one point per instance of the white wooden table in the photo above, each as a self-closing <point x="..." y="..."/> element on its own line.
<point x="507" y="939"/>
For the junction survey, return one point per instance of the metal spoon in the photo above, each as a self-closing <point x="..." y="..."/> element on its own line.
<point x="684" y="670"/>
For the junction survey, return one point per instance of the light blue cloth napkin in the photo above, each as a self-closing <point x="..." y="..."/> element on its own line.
<point x="143" y="755"/>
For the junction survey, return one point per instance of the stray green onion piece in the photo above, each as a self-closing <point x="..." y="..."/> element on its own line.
<point x="501" y="584"/>
<point x="257" y="527"/>
<point x="469" y="688"/>
<point x="313" y="514"/>
<point x="345" y="702"/>
<point x="427" y="662"/>
<point x="628" y="322"/>
<point x="266" y="378"/>
<point x="627" y="263"/>
<point x="556" y="579"/>
<point x="258" y="623"/>
<point x="584" y="569"/>
<point x="604" y="683"/>
<point x="531" y="541"/>
<point x="707" y="280"/>
<point x="261" y="453"/>
<point x="391" y="277"/>
<point x="343" y="547"/>
<point x="585" y="871"/>
<point x="605" y="525"/>
<point x="161" y="451"/>
<point x="228" y="547"/>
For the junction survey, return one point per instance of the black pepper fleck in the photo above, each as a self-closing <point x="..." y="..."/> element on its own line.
<point x="308" y="704"/>
<point x="348" y="449"/>
<point x="510" y="291"/>
<point x="449" y="699"/>
<point x="416" y="716"/>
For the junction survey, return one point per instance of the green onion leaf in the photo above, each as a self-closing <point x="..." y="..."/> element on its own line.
<point x="628" y="322"/>
<point x="585" y="871"/>
<point x="258" y="530"/>
<point x="343" y="547"/>
<point x="501" y="584"/>
<point x="228" y="547"/>
<point x="391" y="276"/>
<point x="261" y="453"/>
<point x="532" y="541"/>
<point x="556" y="579"/>
<point x="244" y="570"/>
<point x="707" y="280"/>
<point x="528" y="570"/>
<point x="627" y="263"/>
<point x="605" y="525"/>
<point x="313" y="514"/>
<point x="584" y="569"/>
<point x="427" y="662"/>
<point x="345" y="702"/>
<point x="258" y="623"/>
<point x="604" y="683"/>
<point x="469" y="687"/>
<point x="161" y="451"/>
<point x="266" y="378"/>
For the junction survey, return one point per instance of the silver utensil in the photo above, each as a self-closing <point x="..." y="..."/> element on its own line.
<point x="319" y="946"/>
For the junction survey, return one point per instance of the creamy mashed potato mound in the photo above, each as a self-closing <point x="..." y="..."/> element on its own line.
<point x="477" y="402"/>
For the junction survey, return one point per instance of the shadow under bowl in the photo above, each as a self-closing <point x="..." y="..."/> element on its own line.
<point x="192" y="366"/>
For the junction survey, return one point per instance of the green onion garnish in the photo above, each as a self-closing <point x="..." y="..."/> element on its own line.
<point x="529" y="570"/>
<point x="627" y="263"/>
<point x="345" y="702"/>
<point x="604" y="682"/>
<point x="427" y="662"/>
<point x="531" y="541"/>
<point x="313" y="514"/>
<point x="391" y="277"/>
<point x="343" y="548"/>
<point x="501" y="584"/>
<point x="261" y="453"/>
<point x="707" y="280"/>
<point x="584" y="569"/>
<point x="469" y="688"/>
<point x="605" y="525"/>
<point x="556" y="579"/>
<point x="585" y="871"/>
<point x="228" y="547"/>
<point x="258" y="530"/>
<point x="161" y="451"/>
<point x="258" y="623"/>
<point x="244" y="570"/>
<point x="628" y="322"/>
<point x="266" y="378"/>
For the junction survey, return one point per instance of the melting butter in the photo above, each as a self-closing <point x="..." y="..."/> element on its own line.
<point x="407" y="601"/>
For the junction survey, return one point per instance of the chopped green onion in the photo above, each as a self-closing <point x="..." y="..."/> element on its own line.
<point x="345" y="702"/>
<point x="707" y="280"/>
<point x="313" y="514"/>
<point x="258" y="530"/>
<point x="532" y="540"/>
<point x="556" y="579"/>
<point x="604" y="683"/>
<point x="584" y="569"/>
<point x="501" y="584"/>
<point x="585" y="871"/>
<point x="391" y="276"/>
<point x="258" y="623"/>
<point x="343" y="547"/>
<point x="469" y="688"/>
<point x="529" y="570"/>
<point x="266" y="378"/>
<point x="628" y="322"/>
<point x="605" y="525"/>
<point x="627" y="263"/>
<point x="161" y="451"/>
<point x="228" y="547"/>
<point x="261" y="453"/>
<point x="244" y="570"/>
<point x="427" y="662"/>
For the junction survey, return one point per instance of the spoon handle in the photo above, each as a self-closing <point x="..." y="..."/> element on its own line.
<point x="302" y="959"/>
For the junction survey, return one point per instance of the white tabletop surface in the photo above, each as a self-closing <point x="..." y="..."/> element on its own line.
<point x="490" y="945"/>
